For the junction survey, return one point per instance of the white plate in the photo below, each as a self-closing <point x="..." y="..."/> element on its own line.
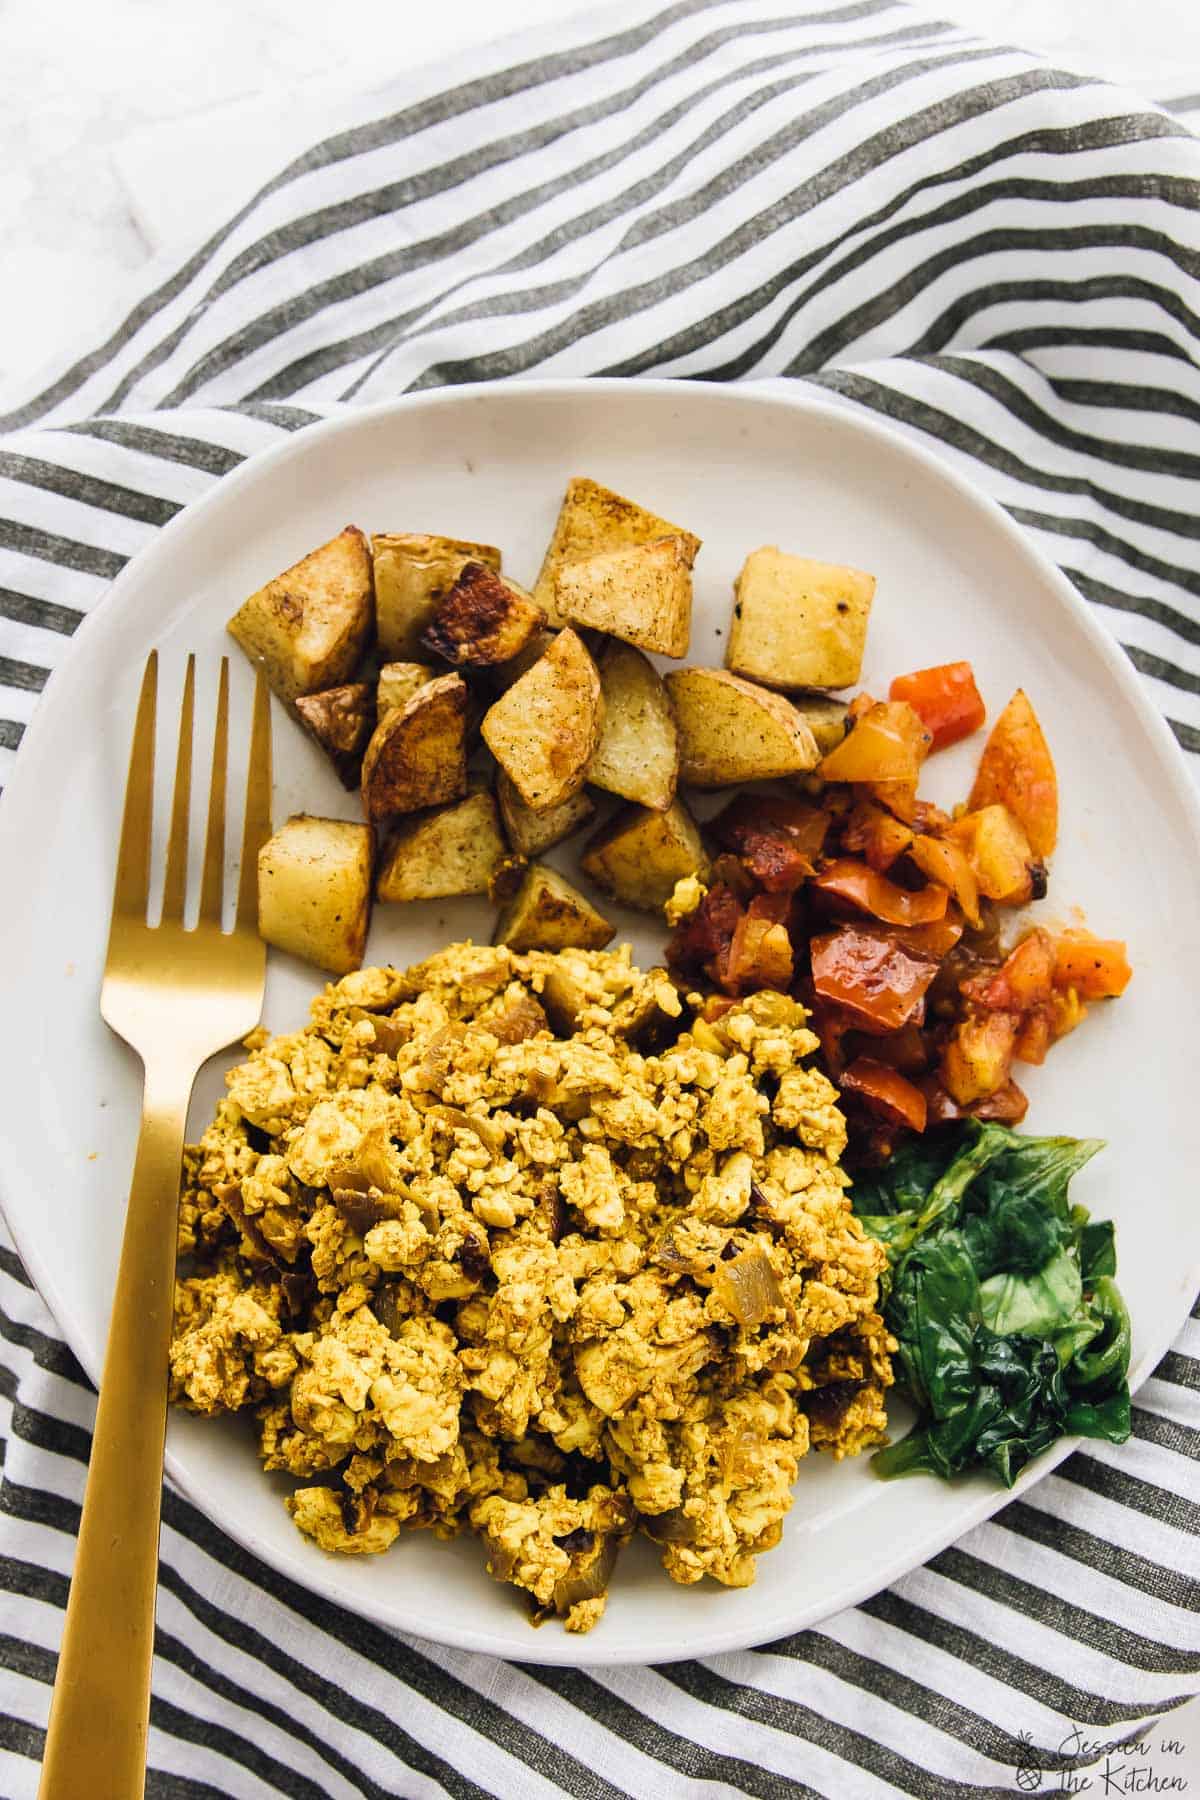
<point x="741" y="468"/>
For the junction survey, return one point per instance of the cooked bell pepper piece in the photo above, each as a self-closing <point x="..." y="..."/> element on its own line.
<point x="884" y="750"/>
<point x="872" y="975"/>
<point x="1017" y="770"/>
<point x="930" y="941"/>
<point x="946" y="700"/>
<point x="946" y="862"/>
<point x="886" y="1092"/>
<point x="1097" y="968"/>
<point x="861" y="887"/>
<point x="874" y="834"/>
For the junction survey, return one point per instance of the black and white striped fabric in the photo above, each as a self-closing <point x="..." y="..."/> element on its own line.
<point x="1004" y="260"/>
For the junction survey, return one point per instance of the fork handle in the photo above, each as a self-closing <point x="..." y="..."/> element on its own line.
<point x="96" y="1740"/>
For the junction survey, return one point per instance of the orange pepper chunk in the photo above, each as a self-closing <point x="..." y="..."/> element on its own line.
<point x="885" y="750"/>
<point x="1017" y="770"/>
<point x="946" y="700"/>
<point x="861" y="887"/>
<point x="886" y="1092"/>
<point x="1097" y="968"/>
<point x="941" y="860"/>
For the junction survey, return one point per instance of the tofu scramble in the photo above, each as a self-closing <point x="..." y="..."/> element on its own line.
<point x="540" y="1247"/>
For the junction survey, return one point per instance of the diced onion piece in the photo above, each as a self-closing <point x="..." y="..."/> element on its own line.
<point x="748" y="1287"/>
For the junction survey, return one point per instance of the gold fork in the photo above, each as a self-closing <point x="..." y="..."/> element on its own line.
<point x="177" y="996"/>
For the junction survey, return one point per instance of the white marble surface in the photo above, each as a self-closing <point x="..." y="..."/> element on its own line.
<point x="128" y="126"/>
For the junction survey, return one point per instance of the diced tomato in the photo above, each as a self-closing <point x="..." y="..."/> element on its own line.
<point x="874" y="834"/>
<point x="946" y="862"/>
<point x="886" y="1092"/>
<point x="978" y="1055"/>
<point x="1017" y="770"/>
<point x="1097" y="968"/>
<point x="946" y="700"/>
<point x="869" y="892"/>
<point x="777" y="836"/>
<point x="760" y="952"/>
<point x="874" y="977"/>
<point x="1022" y="982"/>
<point x="707" y="932"/>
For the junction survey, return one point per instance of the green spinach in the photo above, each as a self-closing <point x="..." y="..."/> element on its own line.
<point x="1011" y="1330"/>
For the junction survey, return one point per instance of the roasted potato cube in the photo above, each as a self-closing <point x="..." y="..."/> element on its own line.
<point x="638" y="753"/>
<point x="543" y="732"/>
<point x="502" y="675"/>
<point x="417" y="755"/>
<point x="314" y="891"/>
<point x="547" y="913"/>
<point x="640" y="855"/>
<point x="593" y="519"/>
<point x="798" y="623"/>
<point x="977" y="1059"/>
<point x="452" y="850"/>
<point x="341" y="720"/>
<point x="825" y="717"/>
<point x="398" y="682"/>
<point x="530" y="833"/>
<point x="307" y="629"/>
<point x="485" y="618"/>
<point x="640" y="592"/>
<point x="413" y="573"/>
<point x="731" y="731"/>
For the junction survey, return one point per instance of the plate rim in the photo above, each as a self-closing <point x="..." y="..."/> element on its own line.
<point x="563" y="1651"/>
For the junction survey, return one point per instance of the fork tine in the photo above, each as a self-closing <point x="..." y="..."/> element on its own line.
<point x="257" y="828"/>
<point x="175" y="884"/>
<point x="132" y="887"/>
<point x="212" y="879"/>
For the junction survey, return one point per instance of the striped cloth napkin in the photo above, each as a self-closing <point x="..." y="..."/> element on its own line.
<point x="1004" y="260"/>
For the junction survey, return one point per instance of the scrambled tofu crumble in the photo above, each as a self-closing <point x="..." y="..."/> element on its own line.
<point x="538" y="1246"/>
